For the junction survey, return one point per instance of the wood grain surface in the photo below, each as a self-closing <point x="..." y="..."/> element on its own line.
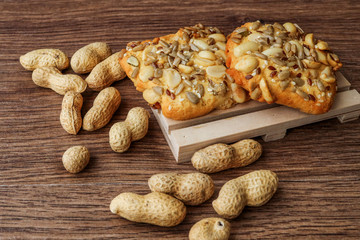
<point x="318" y="165"/>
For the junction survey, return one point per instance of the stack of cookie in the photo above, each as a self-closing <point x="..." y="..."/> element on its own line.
<point x="197" y="70"/>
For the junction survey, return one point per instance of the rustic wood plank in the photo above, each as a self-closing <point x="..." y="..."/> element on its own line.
<point x="318" y="164"/>
<point x="273" y="121"/>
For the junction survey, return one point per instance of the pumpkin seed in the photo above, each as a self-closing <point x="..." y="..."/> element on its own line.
<point x="299" y="82"/>
<point x="284" y="75"/>
<point x="284" y="84"/>
<point x="133" y="61"/>
<point x="192" y="97"/>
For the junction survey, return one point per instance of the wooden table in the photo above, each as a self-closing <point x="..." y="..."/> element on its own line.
<point x="318" y="165"/>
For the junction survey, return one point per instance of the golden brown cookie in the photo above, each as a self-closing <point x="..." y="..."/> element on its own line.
<point x="183" y="73"/>
<point x="281" y="64"/>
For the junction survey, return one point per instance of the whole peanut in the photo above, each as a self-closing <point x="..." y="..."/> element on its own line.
<point x="86" y="58"/>
<point x="51" y="77"/>
<point x="191" y="188"/>
<point x="70" y="116"/>
<point x="154" y="208"/>
<point x="105" y="105"/>
<point x="253" y="189"/>
<point x="44" y="58"/>
<point x="133" y="128"/>
<point x="76" y="158"/>
<point x="106" y="72"/>
<point x="210" y="229"/>
<point x="219" y="157"/>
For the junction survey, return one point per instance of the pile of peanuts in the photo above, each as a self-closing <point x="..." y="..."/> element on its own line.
<point x="104" y="69"/>
<point x="170" y="192"/>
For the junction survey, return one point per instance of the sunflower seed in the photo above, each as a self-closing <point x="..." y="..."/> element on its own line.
<point x="229" y="77"/>
<point x="236" y="40"/>
<point x="200" y="89"/>
<point x="138" y="47"/>
<point x="278" y="61"/>
<point x="255" y="94"/>
<point x="176" y="61"/>
<point x="179" y="89"/>
<point x="284" y="84"/>
<point x="192" y="97"/>
<point x="284" y="75"/>
<point x="320" y="85"/>
<point x="299" y="82"/>
<point x="306" y="51"/>
<point x="282" y="35"/>
<point x="260" y="55"/>
<point x="135" y="72"/>
<point x="193" y="47"/>
<point x="302" y="94"/>
<point x="255" y="25"/>
<point x="241" y="30"/>
<point x="187" y="82"/>
<point x="158" y="73"/>
<point x="164" y="44"/>
<point x="287" y="47"/>
<point x="279" y="26"/>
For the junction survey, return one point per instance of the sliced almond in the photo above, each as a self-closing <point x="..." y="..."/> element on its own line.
<point x="265" y="91"/>
<point x="172" y="78"/>
<point x="321" y="45"/>
<point x="203" y="62"/>
<point x="221" y="45"/>
<point x="245" y="47"/>
<point x="202" y="45"/>
<point x="150" y="96"/>
<point x="321" y="56"/>
<point x="273" y="52"/>
<point x="238" y="93"/>
<point x="290" y="27"/>
<point x="207" y="55"/>
<point x="327" y="76"/>
<point x="185" y="69"/>
<point x="247" y="64"/>
<point x="146" y="72"/>
<point x="309" y="40"/>
<point x="311" y="64"/>
<point x="218" y="37"/>
<point x="221" y="53"/>
<point x="217" y="71"/>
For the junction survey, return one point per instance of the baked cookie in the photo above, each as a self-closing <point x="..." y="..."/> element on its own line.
<point x="281" y="64"/>
<point x="183" y="73"/>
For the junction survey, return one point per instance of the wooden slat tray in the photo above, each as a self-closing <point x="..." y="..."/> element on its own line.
<point x="257" y="119"/>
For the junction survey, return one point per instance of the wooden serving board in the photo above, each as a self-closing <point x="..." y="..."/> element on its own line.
<point x="250" y="119"/>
